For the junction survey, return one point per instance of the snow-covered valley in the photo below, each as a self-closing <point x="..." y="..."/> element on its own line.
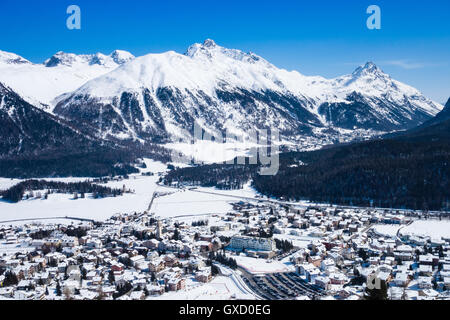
<point x="173" y="203"/>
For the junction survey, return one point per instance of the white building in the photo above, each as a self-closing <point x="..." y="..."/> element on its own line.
<point x="259" y="244"/>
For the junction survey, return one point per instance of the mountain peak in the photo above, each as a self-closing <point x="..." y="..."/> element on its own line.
<point x="370" y="65"/>
<point x="12" y="58"/>
<point x="368" y="68"/>
<point x="210" y="50"/>
<point x="121" y="57"/>
<point x="60" y="58"/>
<point x="442" y="116"/>
<point x="209" y="43"/>
<point x="117" y="57"/>
<point x="200" y="50"/>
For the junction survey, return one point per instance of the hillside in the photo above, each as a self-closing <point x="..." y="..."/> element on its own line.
<point x="411" y="170"/>
<point x="35" y="144"/>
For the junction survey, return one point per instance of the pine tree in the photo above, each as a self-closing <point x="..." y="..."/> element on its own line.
<point x="10" y="279"/>
<point x="58" y="289"/>
<point x="377" y="294"/>
<point x="111" y="277"/>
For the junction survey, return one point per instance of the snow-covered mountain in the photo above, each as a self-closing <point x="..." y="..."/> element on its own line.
<point x="371" y="98"/>
<point x="29" y="131"/>
<point x="39" y="84"/>
<point x="35" y="143"/>
<point x="158" y="97"/>
<point x="116" y="58"/>
<point x="11" y="58"/>
<point x="442" y="116"/>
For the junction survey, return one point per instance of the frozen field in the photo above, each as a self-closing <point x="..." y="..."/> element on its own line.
<point x="191" y="203"/>
<point x="200" y="202"/>
<point x="211" y="152"/>
<point x="62" y="205"/>
<point x="220" y="288"/>
<point x="6" y="183"/>
<point x="176" y="204"/>
<point x="261" y="266"/>
<point x="428" y="228"/>
<point x="45" y="222"/>
<point x="247" y="191"/>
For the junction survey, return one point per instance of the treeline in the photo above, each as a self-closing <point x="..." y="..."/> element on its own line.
<point x="17" y="192"/>
<point x="410" y="171"/>
<point x="154" y="152"/>
<point x="41" y="234"/>
<point x="76" y="232"/>
<point x="387" y="174"/>
<point x="36" y="144"/>
<point x="223" y="259"/>
<point x="101" y="161"/>
<point x="122" y="288"/>
<point x="85" y="164"/>
<point x="10" y="279"/>
<point x="221" y="176"/>
<point x="200" y="223"/>
<point x="284" y="245"/>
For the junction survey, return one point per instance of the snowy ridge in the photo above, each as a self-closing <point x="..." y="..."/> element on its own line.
<point x="116" y="58"/>
<point x="158" y="97"/>
<point x="208" y="66"/>
<point x="220" y="88"/>
<point x="11" y="58"/>
<point x="204" y="67"/>
<point x="39" y="84"/>
<point x="29" y="130"/>
<point x="372" y="81"/>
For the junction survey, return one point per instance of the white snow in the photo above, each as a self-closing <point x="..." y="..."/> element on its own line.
<point x="434" y="229"/>
<point x="203" y="69"/>
<point x="389" y="230"/>
<point x="195" y="78"/>
<point x="44" y="222"/>
<point x="191" y="203"/>
<point x="176" y="203"/>
<point x="261" y="266"/>
<point x="6" y="183"/>
<point x="63" y="205"/>
<point x="14" y="248"/>
<point x="39" y="84"/>
<point x="12" y="58"/>
<point x="220" y="288"/>
<point x="208" y="66"/>
<point x="246" y="192"/>
<point x="211" y="152"/>
<point x="300" y="241"/>
<point x="201" y="202"/>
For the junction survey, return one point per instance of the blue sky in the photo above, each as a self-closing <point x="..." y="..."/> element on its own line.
<point x="327" y="38"/>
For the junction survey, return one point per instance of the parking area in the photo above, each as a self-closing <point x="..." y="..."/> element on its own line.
<point x="283" y="286"/>
<point x="258" y="286"/>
